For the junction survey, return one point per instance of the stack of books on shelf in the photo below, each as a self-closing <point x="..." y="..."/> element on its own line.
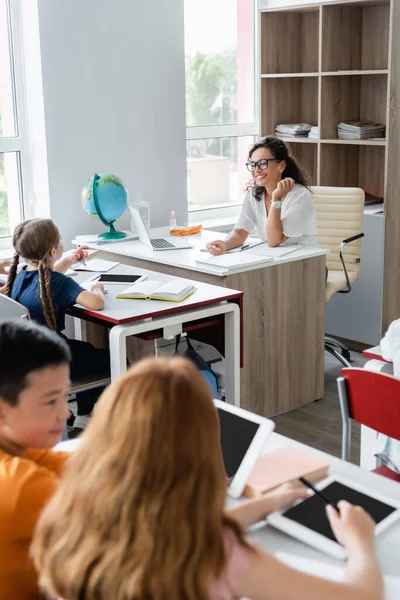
<point x="293" y="130"/>
<point x="360" y="130"/>
<point x="314" y="133"/>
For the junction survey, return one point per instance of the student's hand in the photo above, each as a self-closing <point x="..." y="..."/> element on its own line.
<point x="79" y="256"/>
<point x="4" y="264"/>
<point x="284" y="496"/>
<point x="97" y="287"/>
<point x="282" y="189"/>
<point x="353" y="527"/>
<point x="217" y="247"/>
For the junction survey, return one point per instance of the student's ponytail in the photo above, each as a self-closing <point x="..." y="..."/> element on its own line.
<point x="45" y="295"/>
<point x="12" y="275"/>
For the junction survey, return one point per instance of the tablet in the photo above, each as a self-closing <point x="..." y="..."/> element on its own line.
<point x="307" y="520"/>
<point x="243" y="437"/>
<point x="115" y="278"/>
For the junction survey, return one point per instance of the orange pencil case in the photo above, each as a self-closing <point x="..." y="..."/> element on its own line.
<point x="181" y="231"/>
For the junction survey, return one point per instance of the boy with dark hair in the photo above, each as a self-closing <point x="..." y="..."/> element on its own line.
<point x="34" y="385"/>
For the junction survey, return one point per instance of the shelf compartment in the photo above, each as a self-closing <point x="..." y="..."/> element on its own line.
<point x="302" y="29"/>
<point x="306" y="156"/>
<point x="354" y="166"/>
<point x="355" y="36"/>
<point x="352" y="98"/>
<point x="292" y="100"/>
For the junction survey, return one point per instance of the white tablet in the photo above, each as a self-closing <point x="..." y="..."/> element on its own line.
<point x="243" y="437"/>
<point x="307" y="520"/>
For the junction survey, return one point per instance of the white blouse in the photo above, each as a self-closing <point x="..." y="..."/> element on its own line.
<point x="297" y="215"/>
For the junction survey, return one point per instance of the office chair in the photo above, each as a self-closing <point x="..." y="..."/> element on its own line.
<point x="10" y="309"/>
<point x="339" y="213"/>
<point x="372" y="399"/>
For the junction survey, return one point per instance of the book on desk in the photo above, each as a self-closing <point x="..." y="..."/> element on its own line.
<point x="174" y="290"/>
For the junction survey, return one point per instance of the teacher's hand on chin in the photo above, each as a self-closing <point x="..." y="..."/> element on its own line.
<point x="217" y="247"/>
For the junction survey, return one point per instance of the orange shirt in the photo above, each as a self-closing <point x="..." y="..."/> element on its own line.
<point x="26" y="484"/>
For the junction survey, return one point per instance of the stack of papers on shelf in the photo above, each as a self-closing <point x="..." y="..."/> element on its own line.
<point x="174" y="290"/>
<point x="293" y="130"/>
<point x="333" y="572"/>
<point x="314" y="132"/>
<point x="360" y="130"/>
<point x="94" y="238"/>
<point x="231" y="262"/>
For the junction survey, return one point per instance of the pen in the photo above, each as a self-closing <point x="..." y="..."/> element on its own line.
<point x="244" y="247"/>
<point x="318" y="493"/>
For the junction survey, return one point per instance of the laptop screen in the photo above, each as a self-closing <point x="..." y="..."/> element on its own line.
<point x="237" y="434"/>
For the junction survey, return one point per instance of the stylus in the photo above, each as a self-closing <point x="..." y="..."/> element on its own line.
<point x="324" y="498"/>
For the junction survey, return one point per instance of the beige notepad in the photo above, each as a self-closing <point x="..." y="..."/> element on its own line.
<point x="282" y="466"/>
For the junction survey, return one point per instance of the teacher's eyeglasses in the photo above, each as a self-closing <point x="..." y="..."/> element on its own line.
<point x="261" y="164"/>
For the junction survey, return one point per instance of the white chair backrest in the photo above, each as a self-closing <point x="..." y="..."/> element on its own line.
<point x="339" y="213"/>
<point x="10" y="309"/>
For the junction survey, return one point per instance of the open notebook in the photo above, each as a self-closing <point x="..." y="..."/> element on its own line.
<point x="175" y="290"/>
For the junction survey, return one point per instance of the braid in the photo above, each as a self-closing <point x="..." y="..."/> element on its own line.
<point x="12" y="275"/>
<point x="45" y="296"/>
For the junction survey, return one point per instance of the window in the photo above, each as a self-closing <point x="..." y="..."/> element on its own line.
<point x="12" y="139"/>
<point x="220" y="101"/>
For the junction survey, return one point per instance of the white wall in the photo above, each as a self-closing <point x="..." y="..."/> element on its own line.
<point x="113" y="96"/>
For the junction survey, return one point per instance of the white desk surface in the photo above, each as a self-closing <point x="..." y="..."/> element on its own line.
<point x="118" y="310"/>
<point x="186" y="258"/>
<point x="272" y="540"/>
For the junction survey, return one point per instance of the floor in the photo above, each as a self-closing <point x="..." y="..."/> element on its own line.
<point x="319" y="424"/>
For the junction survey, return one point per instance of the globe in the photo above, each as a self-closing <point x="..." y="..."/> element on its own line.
<point x="105" y="197"/>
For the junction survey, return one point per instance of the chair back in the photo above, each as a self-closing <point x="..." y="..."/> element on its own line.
<point x="10" y="309"/>
<point x="339" y="214"/>
<point x="372" y="399"/>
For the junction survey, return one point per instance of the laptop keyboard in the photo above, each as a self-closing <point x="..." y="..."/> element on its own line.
<point x="161" y="243"/>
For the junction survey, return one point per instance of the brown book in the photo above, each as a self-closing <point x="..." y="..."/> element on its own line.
<point x="282" y="466"/>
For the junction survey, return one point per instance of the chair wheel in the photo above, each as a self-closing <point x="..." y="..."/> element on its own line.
<point x="346" y="354"/>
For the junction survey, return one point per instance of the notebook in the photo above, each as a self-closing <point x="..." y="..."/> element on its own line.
<point x="174" y="290"/>
<point x="333" y="572"/>
<point x="283" y="466"/>
<point x="229" y="262"/>
<point x="97" y="265"/>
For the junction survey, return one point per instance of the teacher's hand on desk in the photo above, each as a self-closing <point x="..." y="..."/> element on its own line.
<point x="217" y="247"/>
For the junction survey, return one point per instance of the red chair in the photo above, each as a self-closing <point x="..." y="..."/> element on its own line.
<point x="372" y="399"/>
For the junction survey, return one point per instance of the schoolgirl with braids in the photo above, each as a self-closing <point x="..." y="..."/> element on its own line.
<point x="278" y="204"/>
<point x="47" y="293"/>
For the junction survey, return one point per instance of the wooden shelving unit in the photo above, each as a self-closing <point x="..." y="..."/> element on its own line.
<point x="333" y="61"/>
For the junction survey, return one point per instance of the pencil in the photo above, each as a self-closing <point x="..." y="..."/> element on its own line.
<point x="324" y="498"/>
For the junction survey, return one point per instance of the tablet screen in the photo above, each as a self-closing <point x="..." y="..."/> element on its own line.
<point x="312" y="513"/>
<point x="109" y="278"/>
<point x="237" y="434"/>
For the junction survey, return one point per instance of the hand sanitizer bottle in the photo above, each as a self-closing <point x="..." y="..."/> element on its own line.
<point x="172" y="220"/>
<point x="144" y="210"/>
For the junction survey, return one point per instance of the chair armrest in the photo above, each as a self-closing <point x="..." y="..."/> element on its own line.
<point x="342" y="245"/>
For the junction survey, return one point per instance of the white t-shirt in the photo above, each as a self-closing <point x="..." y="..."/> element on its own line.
<point x="297" y="215"/>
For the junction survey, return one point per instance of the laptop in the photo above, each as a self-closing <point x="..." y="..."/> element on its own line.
<point x="155" y="243"/>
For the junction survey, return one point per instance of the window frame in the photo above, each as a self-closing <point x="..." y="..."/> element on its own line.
<point x="19" y="142"/>
<point x="223" y="131"/>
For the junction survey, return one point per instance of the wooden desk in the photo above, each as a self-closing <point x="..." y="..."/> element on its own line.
<point x="283" y="319"/>
<point x="168" y="319"/>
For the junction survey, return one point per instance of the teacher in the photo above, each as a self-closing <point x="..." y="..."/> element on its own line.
<point x="279" y="204"/>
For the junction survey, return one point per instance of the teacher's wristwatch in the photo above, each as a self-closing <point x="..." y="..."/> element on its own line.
<point x="276" y="204"/>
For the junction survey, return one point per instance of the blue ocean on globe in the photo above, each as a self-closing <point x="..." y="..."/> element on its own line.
<point x="112" y="197"/>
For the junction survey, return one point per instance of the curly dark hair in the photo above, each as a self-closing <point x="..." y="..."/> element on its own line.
<point x="280" y="151"/>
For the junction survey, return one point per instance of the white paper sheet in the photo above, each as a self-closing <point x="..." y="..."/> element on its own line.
<point x="228" y="262"/>
<point x="317" y="568"/>
<point x="265" y="250"/>
<point x="97" y="265"/>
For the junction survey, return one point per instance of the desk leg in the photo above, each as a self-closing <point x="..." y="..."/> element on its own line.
<point x="232" y="356"/>
<point x="117" y="351"/>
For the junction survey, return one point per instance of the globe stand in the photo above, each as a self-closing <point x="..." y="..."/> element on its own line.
<point x="112" y="233"/>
